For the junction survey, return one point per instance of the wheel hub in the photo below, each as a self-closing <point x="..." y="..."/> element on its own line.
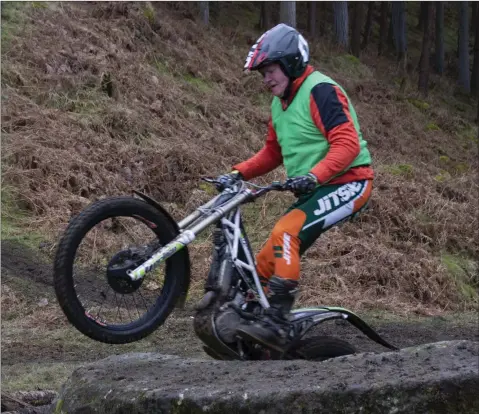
<point x="116" y="274"/>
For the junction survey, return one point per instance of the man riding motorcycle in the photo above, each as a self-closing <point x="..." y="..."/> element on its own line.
<point x="314" y="132"/>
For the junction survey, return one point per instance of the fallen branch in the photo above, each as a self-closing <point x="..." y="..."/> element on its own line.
<point x="26" y="401"/>
<point x="35" y="398"/>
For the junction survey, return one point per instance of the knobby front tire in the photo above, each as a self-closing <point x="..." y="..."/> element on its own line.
<point x="67" y="277"/>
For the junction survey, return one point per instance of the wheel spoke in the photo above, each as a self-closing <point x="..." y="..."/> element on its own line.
<point x="144" y="301"/>
<point x="136" y="306"/>
<point x="118" y="306"/>
<point x="127" y="308"/>
<point x="101" y="306"/>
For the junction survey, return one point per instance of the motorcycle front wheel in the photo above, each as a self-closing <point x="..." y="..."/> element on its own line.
<point x="105" y="240"/>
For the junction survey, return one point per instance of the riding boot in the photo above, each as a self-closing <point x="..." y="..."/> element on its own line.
<point x="272" y="329"/>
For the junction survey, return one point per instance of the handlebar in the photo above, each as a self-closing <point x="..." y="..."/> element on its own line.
<point x="274" y="186"/>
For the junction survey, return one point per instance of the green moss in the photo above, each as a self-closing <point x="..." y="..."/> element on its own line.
<point x="20" y="377"/>
<point x="451" y="167"/>
<point x="470" y="133"/>
<point x="162" y="66"/>
<point x="244" y="15"/>
<point x="353" y="59"/>
<point x="405" y="170"/>
<point x="351" y="66"/>
<point x="14" y="226"/>
<point x="432" y="127"/>
<point x="81" y="101"/>
<point x="39" y="5"/>
<point x="442" y="176"/>
<point x="422" y="105"/>
<point x="13" y="14"/>
<point x="444" y="159"/>
<point x="461" y="168"/>
<point x="208" y="188"/>
<point x="58" y="407"/>
<point x="464" y="273"/>
<point x="460" y="106"/>
<point x="149" y="13"/>
<point x="166" y="69"/>
<point x="201" y="84"/>
<point x="397" y="81"/>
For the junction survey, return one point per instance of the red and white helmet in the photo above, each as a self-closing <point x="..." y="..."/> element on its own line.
<point x="282" y="44"/>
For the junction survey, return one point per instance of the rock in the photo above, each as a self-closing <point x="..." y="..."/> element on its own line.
<point x="156" y="107"/>
<point x="433" y="378"/>
<point x="43" y="302"/>
<point x="126" y="171"/>
<point x="82" y="149"/>
<point x="155" y="80"/>
<point x="49" y="69"/>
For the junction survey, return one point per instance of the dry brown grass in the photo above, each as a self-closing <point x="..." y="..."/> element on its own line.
<point x="101" y="98"/>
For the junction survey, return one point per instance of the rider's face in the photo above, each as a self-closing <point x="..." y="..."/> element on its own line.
<point x="275" y="79"/>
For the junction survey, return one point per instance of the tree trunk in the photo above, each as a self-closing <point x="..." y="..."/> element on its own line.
<point x="475" y="63"/>
<point x="424" y="61"/>
<point x="341" y="22"/>
<point x="368" y="26"/>
<point x="383" y="26"/>
<point x="320" y="12"/>
<point x="312" y="18"/>
<point x="357" y="24"/>
<point x="399" y="28"/>
<point x="265" y="17"/>
<point x="205" y="12"/>
<point x="464" y="77"/>
<point x="287" y="13"/>
<point x="390" y="42"/>
<point x="474" y="16"/>
<point x="422" y="15"/>
<point x="440" y="37"/>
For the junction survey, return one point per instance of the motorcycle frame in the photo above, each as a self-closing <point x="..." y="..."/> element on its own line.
<point x="225" y="207"/>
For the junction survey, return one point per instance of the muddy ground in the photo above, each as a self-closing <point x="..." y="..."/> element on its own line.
<point x="40" y="349"/>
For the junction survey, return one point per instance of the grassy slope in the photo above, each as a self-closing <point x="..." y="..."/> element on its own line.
<point x="181" y="108"/>
<point x="97" y="99"/>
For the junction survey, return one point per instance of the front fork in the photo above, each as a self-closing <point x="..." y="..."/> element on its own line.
<point x="190" y="227"/>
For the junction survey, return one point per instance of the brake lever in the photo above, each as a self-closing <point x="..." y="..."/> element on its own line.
<point x="208" y="179"/>
<point x="279" y="186"/>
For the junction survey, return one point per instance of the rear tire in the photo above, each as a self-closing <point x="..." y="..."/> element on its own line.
<point x="321" y="348"/>
<point x="176" y="271"/>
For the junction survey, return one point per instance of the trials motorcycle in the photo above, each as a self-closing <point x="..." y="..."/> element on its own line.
<point x="122" y="266"/>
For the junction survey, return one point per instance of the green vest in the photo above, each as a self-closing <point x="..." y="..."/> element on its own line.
<point x="302" y="143"/>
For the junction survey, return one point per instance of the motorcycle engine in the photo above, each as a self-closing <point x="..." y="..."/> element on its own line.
<point x="226" y="323"/>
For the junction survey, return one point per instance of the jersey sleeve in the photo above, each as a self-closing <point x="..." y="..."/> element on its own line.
<point x="265" y="160"/>
<point x="330" y="112"/>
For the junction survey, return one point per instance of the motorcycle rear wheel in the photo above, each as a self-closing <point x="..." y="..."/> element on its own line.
<point x="321" y="348"/>
<point x="95" y="276"/>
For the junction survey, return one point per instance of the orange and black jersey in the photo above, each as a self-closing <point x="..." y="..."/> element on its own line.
<point x="330" y="112"/>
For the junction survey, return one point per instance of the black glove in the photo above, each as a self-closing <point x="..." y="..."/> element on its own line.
<point x="302" y="184"/>
<point x="227" y="180"/>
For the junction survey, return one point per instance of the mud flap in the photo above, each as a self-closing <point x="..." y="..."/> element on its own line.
<point x="321" y="314"/>
<point x="357" y="322"/>
<point x="180" y="303"/>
